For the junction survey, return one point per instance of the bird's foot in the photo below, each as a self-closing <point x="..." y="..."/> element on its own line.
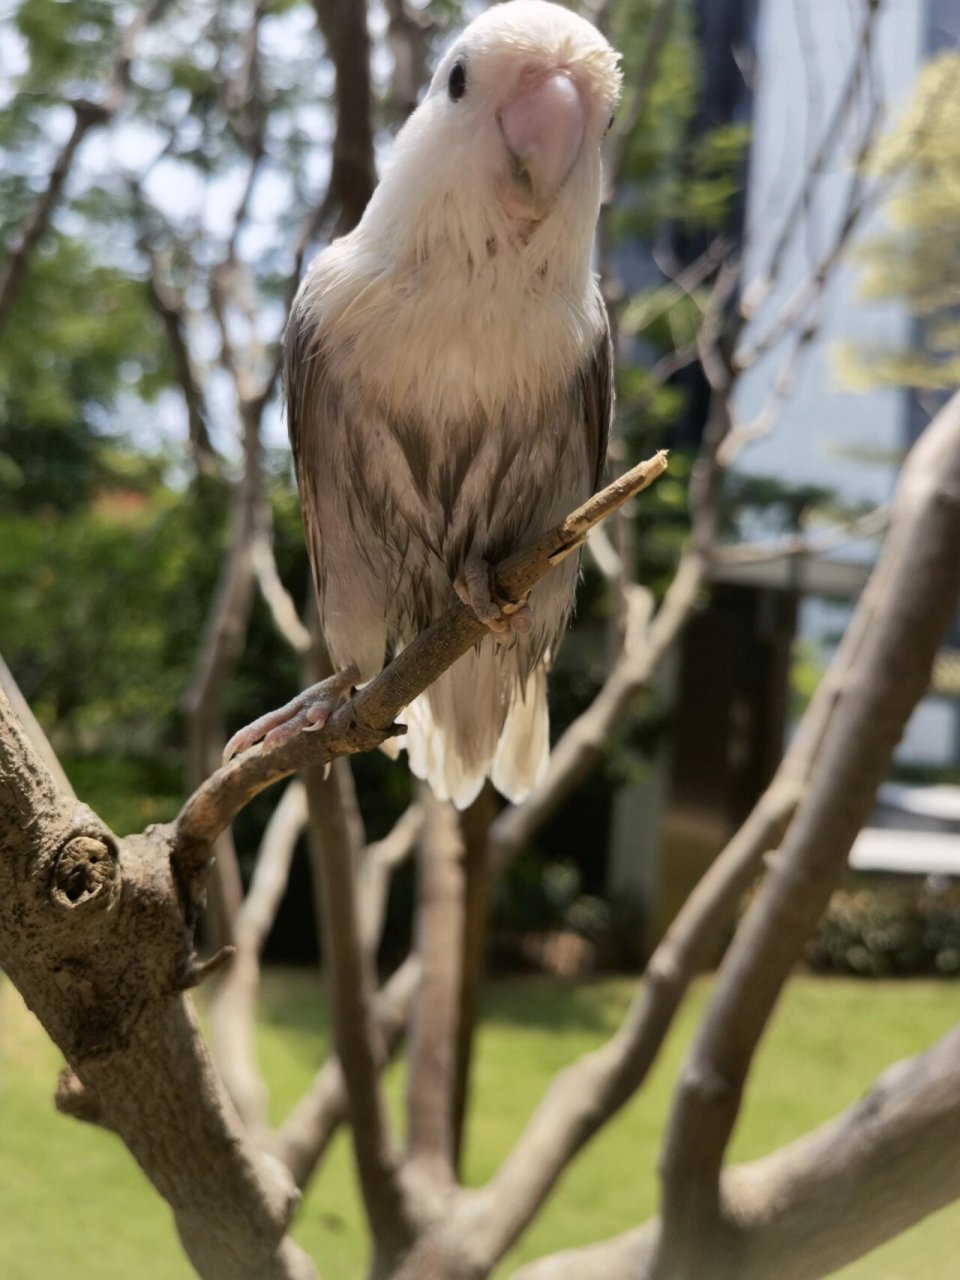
<point x="476" y="589"/>
<point x="306" y="713"/>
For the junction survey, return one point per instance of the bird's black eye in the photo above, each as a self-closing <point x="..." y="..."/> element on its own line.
<point x="457" y="82"/>
<point x="613" y="116"/>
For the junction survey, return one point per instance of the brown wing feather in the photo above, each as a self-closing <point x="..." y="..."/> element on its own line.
<point x="596" y="387"/>
<point x="300" y="372"/>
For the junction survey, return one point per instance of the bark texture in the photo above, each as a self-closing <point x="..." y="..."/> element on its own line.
<point x="94" y="934"/>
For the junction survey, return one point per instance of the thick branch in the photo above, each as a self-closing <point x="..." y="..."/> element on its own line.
<point x="92" y="934"/>
<point x="31" y="725"/>
<point x="894" y="638"/>
<point x="408" y="34"/>
<point x="587" y="1093"/>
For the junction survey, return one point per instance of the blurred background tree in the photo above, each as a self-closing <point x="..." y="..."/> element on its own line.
<point x="916" y="260"/>
<point x="164" y="276"/>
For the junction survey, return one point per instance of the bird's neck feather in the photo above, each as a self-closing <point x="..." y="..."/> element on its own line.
<point x="449" y="309"/>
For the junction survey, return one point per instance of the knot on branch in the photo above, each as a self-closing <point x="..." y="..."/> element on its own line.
<point x="73" y="1098"/>
<point x="197" y="971"/>
<point x="89" y="114"/>
<point x="85" y="875"/>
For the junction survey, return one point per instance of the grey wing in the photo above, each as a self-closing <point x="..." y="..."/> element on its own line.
<point x="350" y="589"/>
<point x="588" y="412"/>
<point x="596" y="388"/>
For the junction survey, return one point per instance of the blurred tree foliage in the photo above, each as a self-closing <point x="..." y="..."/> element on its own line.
<point x="917" y="260"/>
<point x="111" y="540"/>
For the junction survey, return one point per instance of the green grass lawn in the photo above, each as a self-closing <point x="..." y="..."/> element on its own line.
<point x="74" y="1204"/>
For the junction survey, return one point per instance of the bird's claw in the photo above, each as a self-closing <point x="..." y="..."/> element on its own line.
<point x="476" y="589"/>
<point x="306" y="713"/>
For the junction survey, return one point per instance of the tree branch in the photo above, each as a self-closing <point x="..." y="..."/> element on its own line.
<point x="815" y="543"/>
<point x="308" y="1130"/>
<point x="351" y="983"/>
<point x="832" y="134"/>
<point x="353" y="171"/>
<point x="31" y="726"/>
<point x="172" y="316"/>
<point x="439" y="915"/>
<point x="408" y="35"/>
<point x="92" y="933"/>
<point x="587" y="1093"/>
<point x="368" y="718"/>
<point x="275" y="595"/>
<point x="894" y="638"/>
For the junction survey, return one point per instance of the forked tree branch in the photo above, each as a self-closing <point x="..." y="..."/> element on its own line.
<point x="587" y="1093"/>
<point x="897" y="629"/>
<point x="92" y="933"/>
<point x="824" y="1200"/>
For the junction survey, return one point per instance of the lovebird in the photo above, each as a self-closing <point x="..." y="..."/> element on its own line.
<point x="448" y="385"/>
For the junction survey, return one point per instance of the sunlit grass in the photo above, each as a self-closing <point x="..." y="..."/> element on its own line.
<point x="74" y="1203"/>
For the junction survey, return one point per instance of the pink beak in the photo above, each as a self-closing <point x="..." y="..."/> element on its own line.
<point x="543" y="127"/>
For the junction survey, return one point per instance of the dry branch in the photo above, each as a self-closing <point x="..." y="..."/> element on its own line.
<point x="369" y="717"/>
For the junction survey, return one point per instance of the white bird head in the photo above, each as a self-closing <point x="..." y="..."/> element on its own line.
<point x="508" y="136"/>
<point x="468" y="280"/>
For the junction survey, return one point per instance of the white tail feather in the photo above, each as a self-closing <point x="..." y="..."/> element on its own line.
<point x="475" y="722"/>
<point x="524" y="747"/>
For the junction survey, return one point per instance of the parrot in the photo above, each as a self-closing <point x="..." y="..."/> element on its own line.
<point x="448" y="378"/>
